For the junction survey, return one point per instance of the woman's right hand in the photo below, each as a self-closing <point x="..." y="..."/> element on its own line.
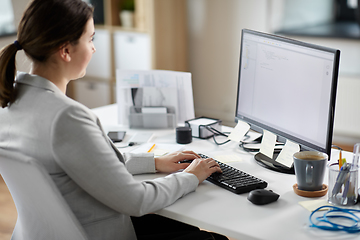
<point x="202" y="168"/>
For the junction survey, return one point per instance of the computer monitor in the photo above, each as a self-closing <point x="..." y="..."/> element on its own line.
<point x="287" y="87"/>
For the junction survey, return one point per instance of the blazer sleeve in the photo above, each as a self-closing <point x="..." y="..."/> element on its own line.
<point x="81" y="149"/>
<point x="136" y="163"/>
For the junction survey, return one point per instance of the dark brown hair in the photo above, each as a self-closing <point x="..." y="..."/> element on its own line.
<point x="45" y="27"/>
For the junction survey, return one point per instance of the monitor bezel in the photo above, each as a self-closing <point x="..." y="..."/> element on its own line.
<point x="283" y="136"/>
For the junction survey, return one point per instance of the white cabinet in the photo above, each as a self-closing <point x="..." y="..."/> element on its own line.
<point x="92" y="93"/>
<point x="132" y="50"/>
<point x="100" y="64"/>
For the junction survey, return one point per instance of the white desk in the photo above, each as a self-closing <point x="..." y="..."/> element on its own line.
<point x="222" y="211"/>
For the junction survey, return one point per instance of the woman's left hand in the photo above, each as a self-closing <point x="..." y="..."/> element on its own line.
<point x="170" y="162"/>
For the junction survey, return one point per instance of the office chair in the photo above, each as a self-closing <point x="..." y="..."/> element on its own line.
<point x="43" y="213"/>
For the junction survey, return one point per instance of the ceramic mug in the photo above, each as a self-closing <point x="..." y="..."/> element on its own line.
<point x="310" y="169"/>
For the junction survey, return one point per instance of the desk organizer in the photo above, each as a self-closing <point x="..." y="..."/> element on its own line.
<point x="137" y="119"/>
<point x="343" y="184"/>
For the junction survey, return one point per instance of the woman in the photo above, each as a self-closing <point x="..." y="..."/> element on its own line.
<point x="40" y="121"/>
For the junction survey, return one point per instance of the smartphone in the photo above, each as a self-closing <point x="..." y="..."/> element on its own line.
<point x="117" y="136"/>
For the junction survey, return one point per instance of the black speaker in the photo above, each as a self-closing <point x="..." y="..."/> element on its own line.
<point x="183" y="135"/>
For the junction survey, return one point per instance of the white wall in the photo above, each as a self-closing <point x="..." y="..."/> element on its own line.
<point x="214" y="41"/>
<point x="299" y="14"/>
<point x="23" y="64"/>
<point x="214" y="48"/>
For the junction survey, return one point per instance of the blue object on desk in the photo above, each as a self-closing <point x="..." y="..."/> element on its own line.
<point x="325" y="222"/>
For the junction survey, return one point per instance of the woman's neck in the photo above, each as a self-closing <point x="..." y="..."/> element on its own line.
<point x="52" y="73"/>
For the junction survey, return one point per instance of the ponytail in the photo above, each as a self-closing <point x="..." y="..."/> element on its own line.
<point x="45" y="27"/>
<point x="7" y="74"/>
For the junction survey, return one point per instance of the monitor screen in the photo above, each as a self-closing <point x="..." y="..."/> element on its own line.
<point x="288" y="87"/>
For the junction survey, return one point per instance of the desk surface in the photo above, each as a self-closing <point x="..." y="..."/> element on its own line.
<point x="215" y="209"/>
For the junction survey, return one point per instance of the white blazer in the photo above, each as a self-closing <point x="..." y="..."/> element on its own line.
<point x="93" y="176"/>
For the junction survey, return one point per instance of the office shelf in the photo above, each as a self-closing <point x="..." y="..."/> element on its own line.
<point x="163" y="21"/>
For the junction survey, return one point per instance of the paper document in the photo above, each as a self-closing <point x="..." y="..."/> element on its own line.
<point x="286" y="155"/>
<point x="268" y="144"/>
<point x="159" y="149"/>
<point x="154" y="88"/>
<point x="228" y="158"/>
<point x="312" y="205"/>
<point x="238" y="133"/>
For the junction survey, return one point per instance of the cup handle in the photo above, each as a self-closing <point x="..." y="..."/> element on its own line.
<point x="309" y="173"/>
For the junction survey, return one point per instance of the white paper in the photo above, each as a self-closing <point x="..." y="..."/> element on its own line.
<point x="160" y="149"/>
<point x="286" y="155"/>
<point x="268" y="144"/>
<point x="312" y="205"/>
<point x="158" y="88"/>
<point x="228" y="158"/>
<point x="238" y="133"/>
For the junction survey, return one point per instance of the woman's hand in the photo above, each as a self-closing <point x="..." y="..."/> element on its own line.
<point x="202" y="168"/>
<point x="170" y="162"/>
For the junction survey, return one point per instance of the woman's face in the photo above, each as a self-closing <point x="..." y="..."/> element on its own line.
<point x="83" y="51"/>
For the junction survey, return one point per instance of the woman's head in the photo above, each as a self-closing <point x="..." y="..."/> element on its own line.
<point x="46" y="26"/>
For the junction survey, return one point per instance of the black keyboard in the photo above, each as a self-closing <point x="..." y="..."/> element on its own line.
<point x="234" y="180"/>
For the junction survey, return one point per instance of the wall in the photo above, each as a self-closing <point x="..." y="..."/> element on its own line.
<point x="292" y="14"/>
<point x="214" y="47"/>
<point x="214" y="40"/>
<point x="214" y="30"/>
<point x="23" y="64"/>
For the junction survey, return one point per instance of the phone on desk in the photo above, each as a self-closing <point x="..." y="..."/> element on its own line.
<point x="117" y="136"/>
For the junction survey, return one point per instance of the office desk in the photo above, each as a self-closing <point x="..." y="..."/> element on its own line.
<point x="215" y="209"/>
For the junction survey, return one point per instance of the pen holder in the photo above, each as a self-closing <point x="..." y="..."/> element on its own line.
<point x="343" y="185"/>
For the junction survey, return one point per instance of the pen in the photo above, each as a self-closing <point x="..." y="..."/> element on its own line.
<point x="341" y="178"/>
<point x="152" y="147"/>
<point x="346" y="189"/>
<point x="340" y="160"/>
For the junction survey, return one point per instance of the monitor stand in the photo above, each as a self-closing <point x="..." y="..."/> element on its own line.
<point x="269" y="163"/>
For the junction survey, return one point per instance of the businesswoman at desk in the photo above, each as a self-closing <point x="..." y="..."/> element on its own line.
<point x="40" y="121"/>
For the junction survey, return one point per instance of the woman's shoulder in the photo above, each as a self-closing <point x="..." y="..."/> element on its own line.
<point x="39" y="95"/>
<point x="69" y="106"/>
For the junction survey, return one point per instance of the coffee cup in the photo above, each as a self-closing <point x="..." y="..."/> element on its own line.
<point x="310" y="169"/>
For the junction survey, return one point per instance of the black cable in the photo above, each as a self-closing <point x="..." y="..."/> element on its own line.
<point x="129" y="145"/>
<point x="335" y="146"/>
<point x="217" y="133"/>
<point x="222" y="142"/>
<point x="241" y="145"/>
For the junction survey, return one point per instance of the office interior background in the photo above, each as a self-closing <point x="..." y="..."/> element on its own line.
<point x="203" y="37"/>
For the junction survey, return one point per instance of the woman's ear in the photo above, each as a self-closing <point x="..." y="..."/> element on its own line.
<point x="64" y="53"/>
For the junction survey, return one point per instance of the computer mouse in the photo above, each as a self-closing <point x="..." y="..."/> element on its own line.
<point x="262" y="196"/>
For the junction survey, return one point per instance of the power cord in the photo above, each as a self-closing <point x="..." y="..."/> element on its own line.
<point x="325" y="222"/>
<point x="337" y="147"/>
<point x="218" y="133"/>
